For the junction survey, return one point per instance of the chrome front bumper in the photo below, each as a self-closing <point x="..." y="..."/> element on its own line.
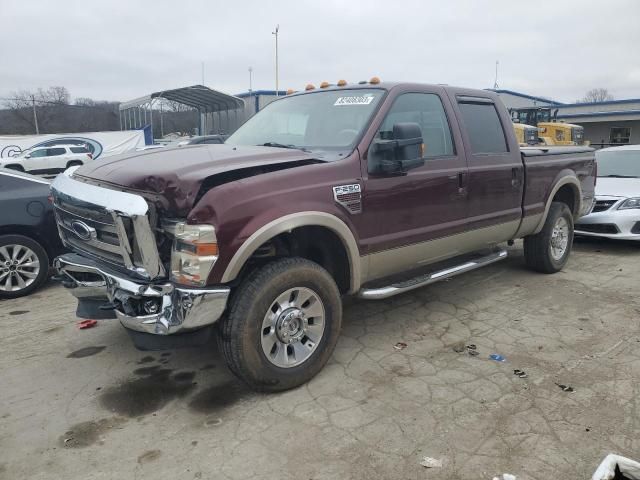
<point x="178" y="309"/>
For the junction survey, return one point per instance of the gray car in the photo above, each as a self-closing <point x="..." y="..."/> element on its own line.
<point x="616" y="213"/>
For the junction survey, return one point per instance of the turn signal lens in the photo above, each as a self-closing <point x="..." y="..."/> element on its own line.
<point x="194" y="252"/>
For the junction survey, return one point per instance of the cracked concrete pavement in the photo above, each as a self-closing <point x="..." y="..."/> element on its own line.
<point x="85" y="404"/>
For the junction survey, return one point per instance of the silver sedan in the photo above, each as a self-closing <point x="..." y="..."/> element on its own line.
<point x="616" y="213"/>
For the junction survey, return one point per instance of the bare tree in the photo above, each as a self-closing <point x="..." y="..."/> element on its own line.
<point x="596" y="95"/>
<point x="44" y="104"/>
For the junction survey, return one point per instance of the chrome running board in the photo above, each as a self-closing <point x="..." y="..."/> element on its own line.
<point x="422" y="280"/>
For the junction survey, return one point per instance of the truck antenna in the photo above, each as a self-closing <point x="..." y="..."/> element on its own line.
<point x="495" y="83"/>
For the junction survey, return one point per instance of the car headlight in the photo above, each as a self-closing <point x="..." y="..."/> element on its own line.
<point x="630" y="203"/>
<point x="194" y="252"/>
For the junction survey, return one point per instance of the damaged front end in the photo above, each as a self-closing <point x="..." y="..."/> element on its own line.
<point x="118" y="270"/>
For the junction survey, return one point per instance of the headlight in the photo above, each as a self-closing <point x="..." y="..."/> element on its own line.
<point x="194" y="252"/>
<point x="630" y="203"/>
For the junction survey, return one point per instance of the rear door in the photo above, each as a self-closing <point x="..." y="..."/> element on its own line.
<point x="403" y="214"/>
<point x="56" y="158"/>
<point x="496" y="171"/>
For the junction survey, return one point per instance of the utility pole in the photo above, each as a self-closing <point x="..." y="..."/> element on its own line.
<point x="276" y="34"/>
<point x="35" y="115"/>
<point x="495" y="83"/>
<point x="250" y="79"/>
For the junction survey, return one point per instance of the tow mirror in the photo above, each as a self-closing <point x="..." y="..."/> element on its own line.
<point x="400" y="153"/>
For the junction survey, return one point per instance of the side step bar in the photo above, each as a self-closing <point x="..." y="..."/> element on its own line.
<point x="421" y="281"/>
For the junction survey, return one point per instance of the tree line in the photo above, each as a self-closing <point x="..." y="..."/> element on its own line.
<point x="51" y="110"/>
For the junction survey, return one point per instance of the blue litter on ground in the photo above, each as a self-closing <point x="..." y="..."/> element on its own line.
<point x="497" y="357"/>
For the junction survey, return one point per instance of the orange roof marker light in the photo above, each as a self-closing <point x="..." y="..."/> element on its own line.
<point x="374" y="80"/>
<point x="309" y="86"/>
<point x="324" y="84"/>
<point x="342" y="83"/>
<point x="290" y="91"/>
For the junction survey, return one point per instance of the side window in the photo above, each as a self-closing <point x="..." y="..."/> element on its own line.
<point x="426" y="110"/>
<point x="39" y="153"/>
<point x="54" y="152"/>
<point x="79" y="149"/>
<point x="483" y="127"/>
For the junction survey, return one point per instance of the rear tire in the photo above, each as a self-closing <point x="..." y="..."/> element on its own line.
<point x="24" y="266"/>
<point x="282" y="326"/>
<point x="548" y="251"/>
<point x="73" y="163"/>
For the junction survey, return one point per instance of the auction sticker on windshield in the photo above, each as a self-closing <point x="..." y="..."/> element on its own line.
<point x="355" y="100"/>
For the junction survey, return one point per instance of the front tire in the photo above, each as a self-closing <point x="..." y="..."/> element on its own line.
<point x="548" y="251"/>
<point x="24" y="266"/>
<point x="283" y="325"/>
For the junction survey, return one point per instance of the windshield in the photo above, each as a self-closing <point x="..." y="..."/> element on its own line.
<point x="621" y="163"/>
<point x="330" y="120"/>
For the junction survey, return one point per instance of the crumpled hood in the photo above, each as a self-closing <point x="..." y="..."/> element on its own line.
<point x="176" y="174"/>
<point x="618" y="187"/>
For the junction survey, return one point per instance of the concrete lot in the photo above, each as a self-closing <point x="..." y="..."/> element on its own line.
<point x="373" y="412"/>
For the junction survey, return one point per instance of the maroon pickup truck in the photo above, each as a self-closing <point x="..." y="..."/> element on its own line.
<point x="369" y="190"/>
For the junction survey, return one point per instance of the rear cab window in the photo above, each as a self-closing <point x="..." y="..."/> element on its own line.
<point x="484" y="128"/>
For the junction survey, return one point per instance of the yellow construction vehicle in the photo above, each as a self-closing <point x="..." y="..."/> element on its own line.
<point x="550" y="131"/>
<point x="526" y="134"/>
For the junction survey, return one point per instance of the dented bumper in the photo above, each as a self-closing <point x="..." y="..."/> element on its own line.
<point x="155" y="308"/>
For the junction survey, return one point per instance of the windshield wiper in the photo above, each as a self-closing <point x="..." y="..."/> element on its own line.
<point x="617" y="176"/>
<point x="282" y="145"/>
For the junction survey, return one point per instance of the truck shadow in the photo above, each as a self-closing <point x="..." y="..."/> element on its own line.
<point x="606" y="245"/>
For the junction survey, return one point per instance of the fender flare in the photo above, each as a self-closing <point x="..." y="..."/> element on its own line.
<point x="567" y="179"/>
<point x="288" y="223"/>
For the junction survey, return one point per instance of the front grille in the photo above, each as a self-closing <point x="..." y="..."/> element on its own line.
<point x="602" y="205"/>
<point x="103" y="241"/>
<point x="607" y="228"/>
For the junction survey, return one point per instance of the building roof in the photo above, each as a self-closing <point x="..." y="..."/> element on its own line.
<point x="524" y="95"/>
<point x="196" y="96"/>
<point x="255" y="93"/>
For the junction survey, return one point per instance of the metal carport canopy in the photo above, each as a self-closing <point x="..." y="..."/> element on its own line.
<point x="196" y="96"/>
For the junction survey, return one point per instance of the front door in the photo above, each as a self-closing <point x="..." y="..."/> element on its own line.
<point x="404" y="213"/>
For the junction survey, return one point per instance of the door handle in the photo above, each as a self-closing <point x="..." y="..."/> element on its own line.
<point x="461" y="186"/>
<point x="515" y="177"/>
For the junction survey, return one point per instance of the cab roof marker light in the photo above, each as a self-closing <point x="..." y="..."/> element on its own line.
<point x="309" y="86"/>
<point x="324" y="85"/>
<point x="290" y="91"/>
<point x="362" y="82"/>
<point x="342" y="83"/>
<point x="374" y="80"/>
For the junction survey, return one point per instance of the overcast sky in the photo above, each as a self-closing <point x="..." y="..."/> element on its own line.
<point x="119" y="50"/>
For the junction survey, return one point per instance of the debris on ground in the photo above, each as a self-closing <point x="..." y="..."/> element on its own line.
<point x="505" y="476"/>
<point x="472" y="349"/>
<point x="84" y="324"/>
<point x="565" y="388"/>
<point x="400" y="346"/>
<point x="520" y="373"/>
<point x="617" y="467"/>
<point x="497" y="357"/>
<point x="428" y="462"/>
<point x="459" y="347"/>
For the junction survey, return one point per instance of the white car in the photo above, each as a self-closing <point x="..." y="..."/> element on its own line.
<point x="48" y="160"/>
<point x="616" y="213"/>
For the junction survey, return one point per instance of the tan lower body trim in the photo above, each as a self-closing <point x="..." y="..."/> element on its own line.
<point x="401" y="259"/>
